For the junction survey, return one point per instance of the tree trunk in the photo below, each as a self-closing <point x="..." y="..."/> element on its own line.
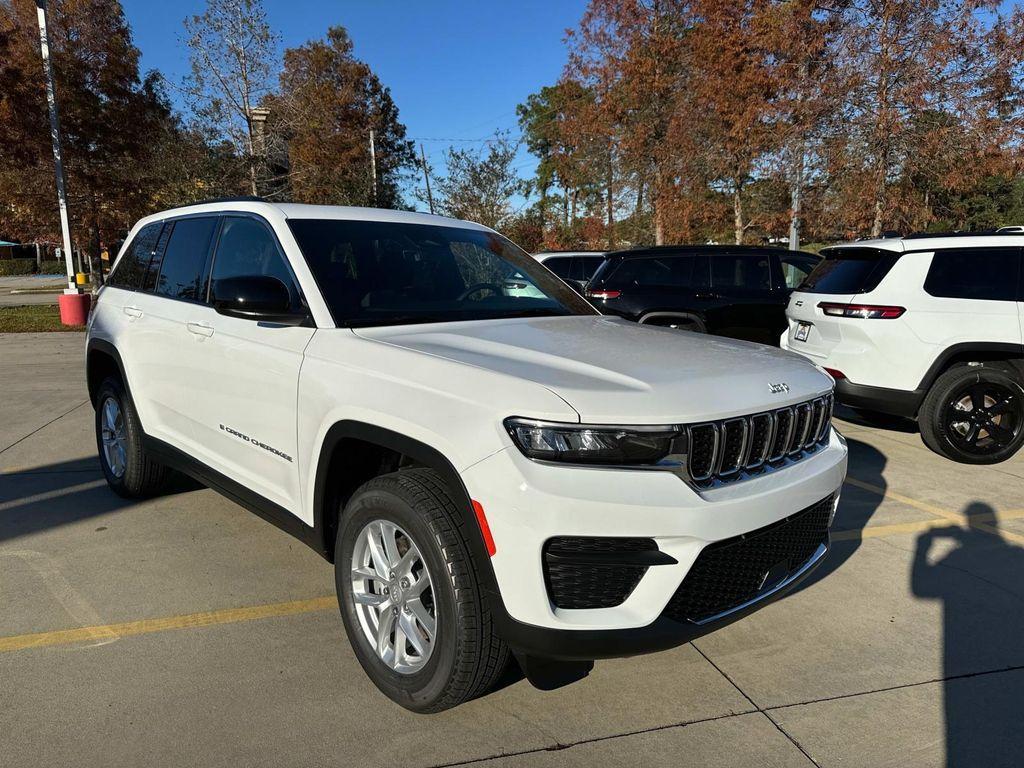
<point x="565" y="205"/>
<point x="796" y="190"/>
<point x="876" y="224"/>
<point x="659" y="215"/>
<point x="737" y="211"/>
<point x="611" y="205"/>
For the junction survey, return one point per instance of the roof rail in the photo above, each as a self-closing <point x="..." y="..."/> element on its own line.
<point x="982" y="233"/>
<point x="229" y="199"/>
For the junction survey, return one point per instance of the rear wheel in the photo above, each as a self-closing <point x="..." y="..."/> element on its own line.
<point x="974" y="414"/>
<point x="130" y="471"/>
<point x="410" y="596"/>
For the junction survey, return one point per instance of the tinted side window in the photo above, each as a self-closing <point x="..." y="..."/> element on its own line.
<point x="132" y="266"/>
<point x="560" y="265"/>
<point x="747" y="271"/>
<point x="796" y="268"/>
<point x="246" y="247"/>
<point x="587" y="266"/>
<point x="661" y="272"/>
<point x="184" y="261"/>
<point x="149" y="279"/>
<point x="974" y="273"/>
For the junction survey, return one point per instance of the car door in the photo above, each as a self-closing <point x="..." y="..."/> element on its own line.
<point x="165" y="350"/>
<point x="244" y="373"/>
<point x="746" y="307"/>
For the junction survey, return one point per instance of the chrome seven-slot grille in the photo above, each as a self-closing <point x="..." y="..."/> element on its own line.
<point x="726" y="450"/>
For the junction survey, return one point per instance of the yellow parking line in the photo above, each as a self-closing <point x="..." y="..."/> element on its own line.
<point x="878" y="531"/>
<point x="146" y="626"/>
<point x="979" y="522"/>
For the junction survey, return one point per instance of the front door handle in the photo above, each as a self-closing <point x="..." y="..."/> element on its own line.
<point x="132" y="312"/>
<point x="200" y="329"/>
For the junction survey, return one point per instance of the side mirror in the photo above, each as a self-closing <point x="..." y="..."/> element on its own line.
<point x="580" y="286"/>
<point x="255" y="297"/>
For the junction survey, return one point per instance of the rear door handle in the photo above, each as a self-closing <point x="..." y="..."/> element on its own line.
<point x="132" y="312"/>
<point x="200" y="329"/>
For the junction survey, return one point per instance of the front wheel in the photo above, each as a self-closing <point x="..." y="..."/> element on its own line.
<point x="974" y="414"/>
<point x="410" y="596"/>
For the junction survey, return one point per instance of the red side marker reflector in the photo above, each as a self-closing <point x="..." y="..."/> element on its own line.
<point x="835" y="374"/>
<point x="485" y="529"/>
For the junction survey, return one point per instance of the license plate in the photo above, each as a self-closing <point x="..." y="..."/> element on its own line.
<point x="802" y="330"/>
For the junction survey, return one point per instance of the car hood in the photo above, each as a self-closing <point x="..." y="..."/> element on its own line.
<point x="614" y="371"/>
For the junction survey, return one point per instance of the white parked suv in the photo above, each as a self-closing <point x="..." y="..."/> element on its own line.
<point x="488" y="473"/>
<point x="927" y="327"/>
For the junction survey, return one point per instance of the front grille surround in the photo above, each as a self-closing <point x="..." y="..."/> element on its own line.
<point x="720" y="452"/>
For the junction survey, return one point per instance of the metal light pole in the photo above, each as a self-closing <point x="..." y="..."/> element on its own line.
<point x="51" y="100"/>
<point x="373" y="166"/>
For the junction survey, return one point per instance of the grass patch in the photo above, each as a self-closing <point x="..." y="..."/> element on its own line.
<point x="31" y="319"/>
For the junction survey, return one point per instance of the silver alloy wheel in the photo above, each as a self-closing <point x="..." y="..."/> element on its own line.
<point x="112" y="433"/>
<point x="394" y="597"/>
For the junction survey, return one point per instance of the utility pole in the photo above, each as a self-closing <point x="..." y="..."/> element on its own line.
<point x="51" y="100"/>
<point x="426" y="178"/>
<point x="373" y="166"/>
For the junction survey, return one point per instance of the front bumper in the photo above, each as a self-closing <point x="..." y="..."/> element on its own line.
<point x="528" y="503"/>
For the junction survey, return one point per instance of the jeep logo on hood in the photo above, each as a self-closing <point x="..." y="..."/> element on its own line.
<point x="778" y="389"/>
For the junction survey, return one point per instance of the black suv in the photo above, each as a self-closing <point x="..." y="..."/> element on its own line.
<point x="728" y="290"/>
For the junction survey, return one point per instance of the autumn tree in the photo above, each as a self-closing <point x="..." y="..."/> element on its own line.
<point x="109" y="117"/>
<point x="326" y="106"/>
<point x="908" y="60"/>
<point x="480" y="186"/>
<point x="232" y="54"/>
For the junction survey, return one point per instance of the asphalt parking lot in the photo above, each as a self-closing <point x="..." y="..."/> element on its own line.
<point x="186" y="631"/>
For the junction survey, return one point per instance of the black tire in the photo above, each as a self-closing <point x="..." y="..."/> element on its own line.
<point x="467" y="656"/>
<point x="141" y="475"/>
<point x="990" y="430"/>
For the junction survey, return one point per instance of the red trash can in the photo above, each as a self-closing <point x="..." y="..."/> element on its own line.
<point x="74" y="308"/>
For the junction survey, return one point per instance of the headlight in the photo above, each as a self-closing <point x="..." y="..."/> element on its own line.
<point x="583" y="444"/>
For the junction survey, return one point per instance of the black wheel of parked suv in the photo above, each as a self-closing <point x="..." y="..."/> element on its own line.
<point x="410" y="596"/>
<point x="130" y="471"/>
<point x="974" y="414"/>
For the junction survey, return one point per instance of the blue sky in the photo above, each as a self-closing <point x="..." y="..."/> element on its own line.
<point x="456" y="70"/>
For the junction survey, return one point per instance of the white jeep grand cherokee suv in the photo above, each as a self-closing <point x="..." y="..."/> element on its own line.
<point x="488" y="473"/>
<point x="927" y="327"/>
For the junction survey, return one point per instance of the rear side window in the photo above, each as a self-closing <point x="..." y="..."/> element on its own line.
<point x="132" y="267"/>
<point x="184" y="261"/>
<point x="853" y="270"/>
<point x="584" y="267"/>
<point x="744" y="271"/>
<point x="659" y="272"/>
<point x="796" y="268"/>
<point x="247" y="248"/>
<point x="975" y="273"/>
<point x="560" y="265"/>
<point x="149" y="278"/>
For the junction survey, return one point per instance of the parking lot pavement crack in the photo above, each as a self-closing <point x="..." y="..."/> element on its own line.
<point x="885" y="689"/>
<point x="595" y="740"/>
<point x="757" y="708"/>
<point x="44" y="426"/>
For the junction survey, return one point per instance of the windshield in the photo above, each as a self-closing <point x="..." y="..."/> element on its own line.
<point x="383" y="273"/>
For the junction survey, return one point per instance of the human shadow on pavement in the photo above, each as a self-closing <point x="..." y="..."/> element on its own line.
<point x="978" y="576"/>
